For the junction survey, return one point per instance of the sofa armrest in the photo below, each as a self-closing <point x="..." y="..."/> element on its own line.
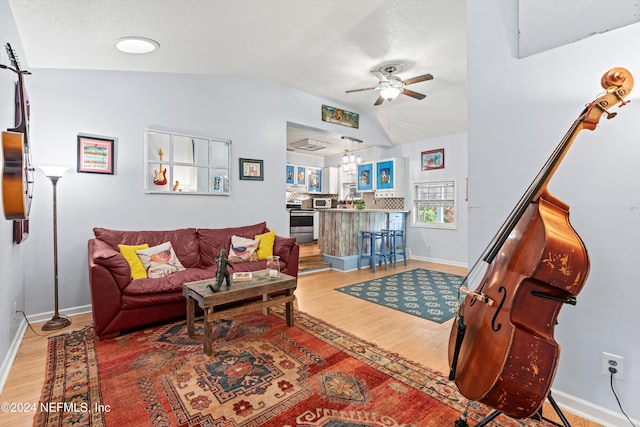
<point x="289" y="252"/>
<point x="102" y="254"/>
<point x="107" y="278"/>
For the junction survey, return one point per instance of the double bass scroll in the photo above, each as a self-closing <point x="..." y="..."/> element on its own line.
<point x="502" y="351"/>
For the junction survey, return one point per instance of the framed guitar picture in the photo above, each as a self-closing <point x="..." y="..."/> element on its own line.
<point x="95" y="154"/>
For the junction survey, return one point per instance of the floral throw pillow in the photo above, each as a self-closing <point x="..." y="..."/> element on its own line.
<point x="160" y="261"/>
<point x="243" y="249"/>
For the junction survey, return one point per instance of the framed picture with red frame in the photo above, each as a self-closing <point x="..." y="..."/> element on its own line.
<point x="433" y="159"/>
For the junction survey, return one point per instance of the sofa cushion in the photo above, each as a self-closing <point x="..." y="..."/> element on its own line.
<point x="243" y="249"/>
<point x="171" y="283"/>
<point x="129" y="253"/>
<point x="265" y="247"/>
<point x="214" y="239"/>
<point x="160" y="261"/>
<point x="184" y="241"/>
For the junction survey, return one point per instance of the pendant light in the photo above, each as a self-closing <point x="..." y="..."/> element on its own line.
<point x="345" y="157"/>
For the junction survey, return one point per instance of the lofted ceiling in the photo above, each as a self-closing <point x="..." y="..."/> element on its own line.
<point x="321" y="47"/>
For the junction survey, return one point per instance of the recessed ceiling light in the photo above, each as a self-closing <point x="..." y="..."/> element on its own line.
<point x="136" y="45"/>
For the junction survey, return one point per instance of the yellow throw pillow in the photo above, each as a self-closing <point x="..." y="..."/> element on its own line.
<point x="129" y="253"/>
<point x="265" y="247"/>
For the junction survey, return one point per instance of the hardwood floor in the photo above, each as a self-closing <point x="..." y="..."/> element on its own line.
<point x="410" y="336"/>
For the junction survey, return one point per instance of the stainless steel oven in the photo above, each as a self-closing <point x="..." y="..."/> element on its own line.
<point x="300" y="223"/>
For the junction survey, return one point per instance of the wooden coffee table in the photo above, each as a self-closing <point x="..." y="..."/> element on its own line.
<point x="238" y="298"/>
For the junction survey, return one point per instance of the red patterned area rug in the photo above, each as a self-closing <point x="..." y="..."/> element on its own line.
<point x="262" y="373"/>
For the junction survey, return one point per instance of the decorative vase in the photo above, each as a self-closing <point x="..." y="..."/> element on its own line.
<point x="273" y="267"/>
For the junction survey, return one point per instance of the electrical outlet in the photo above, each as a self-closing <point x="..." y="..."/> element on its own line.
<point x="612" y="361"/>
<point x="15" y="309"/>
<point x="429" y="247"/>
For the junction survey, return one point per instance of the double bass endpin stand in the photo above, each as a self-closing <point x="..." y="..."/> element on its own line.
<point x="462" y="422"/>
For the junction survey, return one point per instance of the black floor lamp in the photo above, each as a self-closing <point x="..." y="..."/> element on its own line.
<point x="54" y="173"/>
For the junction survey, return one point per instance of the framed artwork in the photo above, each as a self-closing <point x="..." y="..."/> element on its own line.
<point x="365" y="177"/>
<point x="251" y="169"/>
<point x="384" y="175"/>
<point x="95" y="154"/>
<point x="315" y="180"/>
<point x="433" y="159"/>
<point x="340" y="117"/>
<point x="290" y="178"/>
<point x="301" y="176"/>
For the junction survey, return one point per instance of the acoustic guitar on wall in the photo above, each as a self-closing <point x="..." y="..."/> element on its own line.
<point x="160" y="176"/>
<point x="17" y="171"/>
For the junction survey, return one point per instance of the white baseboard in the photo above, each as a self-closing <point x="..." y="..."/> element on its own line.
<point x="590" y="411"/>
<point x="43" y="317"/>
<point x="7" y="363"/>
<point x="440" y="261"/>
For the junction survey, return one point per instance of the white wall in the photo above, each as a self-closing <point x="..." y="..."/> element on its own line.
<point x="250" y="112"/>
<point x="519" y="110"/>
<point x="447" y="245"/>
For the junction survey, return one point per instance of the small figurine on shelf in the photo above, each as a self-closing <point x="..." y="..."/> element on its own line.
<point x="222" y="273"/>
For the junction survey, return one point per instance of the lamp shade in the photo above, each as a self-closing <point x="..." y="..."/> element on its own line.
<point x="390" y="93"/>
<point x="52" y="171"/>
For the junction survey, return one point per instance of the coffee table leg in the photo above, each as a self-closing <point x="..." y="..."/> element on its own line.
<point x="208" y="332"/>
<point x="265" y="311"/>
<point x="191" y="312"/>
<point x="289" y="308"/>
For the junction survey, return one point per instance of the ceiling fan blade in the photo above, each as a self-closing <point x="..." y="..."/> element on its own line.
<point x="379" y="101"/>
<point x="413" y="94"/>
<point x="379" y="75"/>
<point x="360" y="90"/>
<point x="418" y="79"/>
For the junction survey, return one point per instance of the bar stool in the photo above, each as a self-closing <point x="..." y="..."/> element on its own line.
<point x="374" y="255"/>
<point x="396" y="246"/>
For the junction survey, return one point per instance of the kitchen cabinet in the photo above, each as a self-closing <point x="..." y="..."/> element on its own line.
<point x="348" y="175"/>
<point x="314" y="180"/>
<point x="330" y="183"/>
<point x="365" y="178"/>
<point x="296" y="177"/>
<point x="389" y="178"/>
<point x="322" y="180"/>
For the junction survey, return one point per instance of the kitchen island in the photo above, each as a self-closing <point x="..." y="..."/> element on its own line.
<point x="339" y="232"/>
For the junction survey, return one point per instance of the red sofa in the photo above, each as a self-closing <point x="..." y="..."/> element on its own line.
<point x="120" y="303"/>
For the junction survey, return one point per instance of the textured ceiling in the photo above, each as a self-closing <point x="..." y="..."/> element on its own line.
<point x="322" y="47"/>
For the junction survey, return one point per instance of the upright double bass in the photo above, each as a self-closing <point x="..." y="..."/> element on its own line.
<point x="501" y="350"/>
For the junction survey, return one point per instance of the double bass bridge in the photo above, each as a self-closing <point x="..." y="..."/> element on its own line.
<point x="476" y="295"/>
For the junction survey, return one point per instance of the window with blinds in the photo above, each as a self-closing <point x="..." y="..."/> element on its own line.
<point x="434" y="204"/>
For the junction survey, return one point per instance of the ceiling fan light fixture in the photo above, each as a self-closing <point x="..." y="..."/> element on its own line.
<point x="136" y="45"/>
<point x="390" y="93"/>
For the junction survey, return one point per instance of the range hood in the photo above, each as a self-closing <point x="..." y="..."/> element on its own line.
<point x="309" y="145"/>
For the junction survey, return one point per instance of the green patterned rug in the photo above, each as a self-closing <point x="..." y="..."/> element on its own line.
<point x="429" y="294"/>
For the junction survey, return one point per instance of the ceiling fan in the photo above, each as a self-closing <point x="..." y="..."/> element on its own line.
<point x="390" y="86"/>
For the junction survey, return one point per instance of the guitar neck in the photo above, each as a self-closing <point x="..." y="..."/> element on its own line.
<point x="22" y="110"/>
<point x="22" y="104"/>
